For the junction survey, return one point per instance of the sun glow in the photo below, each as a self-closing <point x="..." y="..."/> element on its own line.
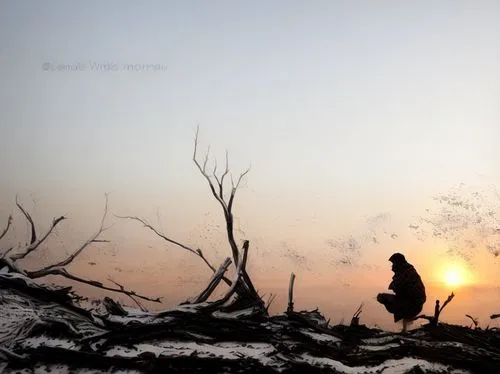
<point x="455" y="276"/>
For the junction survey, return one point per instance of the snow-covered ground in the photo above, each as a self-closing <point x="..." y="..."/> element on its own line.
<point x="29" y="324"/>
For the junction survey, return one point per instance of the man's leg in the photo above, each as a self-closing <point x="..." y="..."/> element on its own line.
<point x="405" y="325"/>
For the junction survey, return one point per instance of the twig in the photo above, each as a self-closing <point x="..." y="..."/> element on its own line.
<point x="495" y="316"/>
<point x="130" y="295"/>
<point x="270" y="301"/>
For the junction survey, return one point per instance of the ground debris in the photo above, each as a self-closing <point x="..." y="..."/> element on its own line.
<point x="42" y="329"/>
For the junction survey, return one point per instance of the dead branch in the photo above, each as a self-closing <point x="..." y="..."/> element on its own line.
<point x="198" y="252"/>
<point x="437" y="311"/>
<point x="495" y="316"/>
<point x="9" y="222"/>
<point x="35" y="244"/>
<point x="355" y="317"/>
<point x="239" y="272"/>
<point x="6" y="252"/>
<point x="474" y="320"/>
<point x="447" y="301"/>
<point x="290" y="293"/>
<point x="64" y="273"/>
<point x="29" y="219"/>
<point x="93" y="239"/>
<point x="213" y="283"/>
<point x="131" y="296"/>
<point x="270" y="301"/>
<point x="423" y="316"/>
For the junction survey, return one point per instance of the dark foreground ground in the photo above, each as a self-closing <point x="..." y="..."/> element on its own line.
<point x="42" y="330"/>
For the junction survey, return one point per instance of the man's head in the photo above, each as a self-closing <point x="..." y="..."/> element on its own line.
<point x="397" y="260"/>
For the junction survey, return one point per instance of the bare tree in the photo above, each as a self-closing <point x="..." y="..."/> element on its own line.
<point x="244" y="288"/>
<point x="59" y="268"/>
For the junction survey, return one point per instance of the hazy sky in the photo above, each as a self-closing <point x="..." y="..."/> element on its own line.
<point x="352" y="114"/>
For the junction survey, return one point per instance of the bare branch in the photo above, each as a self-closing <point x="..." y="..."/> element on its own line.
<point x="9" y="222"/>
<point x="206" y="159"/>
<point x="64" y="273"/>
<point x="214" y="172"/>
<point x="30" y="220"/>
<point x="164" y="237"/>
<point x="234" y="188"/>
<point x="221" y="191"/>
<point x="423" y="316"/>
<point x="6" y="252"/>
<point x="197" y="252"/>
<point x="447" y="301"/>
<point x="129" y="295"/>
<point x="495" y="316"/>
<point x="203" y="172"/>
<point x="26" y="251"/>
<point x="474" y="320"/>
<point x="270" y="301"/>
<point x="355" y="317"/>
<point x="93" y="239"/>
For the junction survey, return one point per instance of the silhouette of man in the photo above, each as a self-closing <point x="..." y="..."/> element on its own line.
<point x="409" y="291"/>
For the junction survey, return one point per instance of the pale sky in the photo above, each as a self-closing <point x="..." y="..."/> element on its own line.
<point x="345" y="110"/>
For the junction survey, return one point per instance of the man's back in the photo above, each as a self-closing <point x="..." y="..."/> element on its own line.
<point x="406" y="283"/>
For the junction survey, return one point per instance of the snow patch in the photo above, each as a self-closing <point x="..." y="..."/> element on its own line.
<point x="375" y="348"/>
<point x="232" y="351"/>
<point x="38" y="341"/>
<point x="321" y="337"/>
<point x="401" y="366"/>
<point x="381" y="339"/>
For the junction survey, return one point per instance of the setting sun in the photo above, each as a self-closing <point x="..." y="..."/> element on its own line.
<point x="455" y="276"/>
